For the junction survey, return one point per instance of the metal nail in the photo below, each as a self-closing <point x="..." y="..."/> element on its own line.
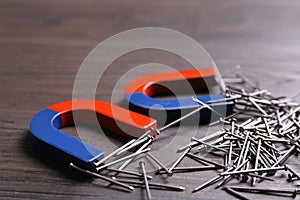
<point x="207" y="144"/>
<point x="252" y="170"/>
<point x="234" y="168"/>
<point x="179" y="159"/>
<point x="114" y="153"/>
<point x="260" y="177"/>
<point x="142" y="166"/>
<point x="235" y="193"/>
<point x="127" y="172"/>
<point x="291" y="178"/>
<point x="135" y="144"/>
<point x="206" y="184"/>
<point x="294" y="173"/>
<point x="205" y="160"/>
<point x="206" y="139"/>
<point x="206" y="106"/>
<point x="283" y="158"/>
<point x="160" y="164"/>
<point x="180" y="119"/>
<point x="122" y="159"/>
<point x="267" y="190"/>
<point x="72" y="166"/>
<point x="190" y="169"/>
<point x="153" y="185"/>
<point x="253" y="101"/>
<point x="147" y="133"/>
<point x="256" y="160"/>
<point x="145" y="145"/>
<point x="242" y="152"/>
<point x="211" y="181"/>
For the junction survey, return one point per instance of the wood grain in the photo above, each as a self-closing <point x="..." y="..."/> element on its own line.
<point x="42" y="44"/>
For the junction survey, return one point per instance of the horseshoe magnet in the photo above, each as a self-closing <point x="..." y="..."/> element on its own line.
<point x="46" y="126"/>
<point x="141" y="93"/>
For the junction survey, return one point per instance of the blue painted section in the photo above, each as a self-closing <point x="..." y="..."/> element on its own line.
<point x="143" y="101"/>
<point x="45" y="126"/>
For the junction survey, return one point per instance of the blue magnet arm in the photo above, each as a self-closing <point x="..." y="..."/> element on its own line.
<point x="45" y="126"/>
<point x="143" y="101"/>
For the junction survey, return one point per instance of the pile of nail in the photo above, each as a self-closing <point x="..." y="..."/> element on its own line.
<point x="255" y="149"/>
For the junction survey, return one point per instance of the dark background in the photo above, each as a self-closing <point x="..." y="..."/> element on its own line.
<point x="42" y="44"/>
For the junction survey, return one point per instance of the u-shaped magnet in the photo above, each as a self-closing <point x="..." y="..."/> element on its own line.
<point x="140" y="93"/>
<point x="46" y="126"/>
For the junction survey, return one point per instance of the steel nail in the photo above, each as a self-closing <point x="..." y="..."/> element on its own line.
<point x="291" y="178"/>
<point x="260" y="177"/>
<point x="234" y="168"/>
<point x="252" y="170"/>
<point x="127" y="172"/>
<point x="283" y="158"/>
<point x="211" y="181"/>
<point x="205" y="160"/>
<point x="206" y="139"/>
<point x="145" y="145"/>
<point x="135" y="144"/>
<point x="206" y="106"/>
<point x="114" y="153"/>
<point x="142" y="166"/>
<point x="153" y="185"/>
<point x="190" y="169"/>
<point x="179" y="159"/>
<point x="207" y="144"/>
<point x="294" y="173"/>
<point x="206" y="184"/>
<point x="72" y="166"/>
<point x="122" y="159"/>
<point x="235" y="193"/>
<point x="256" y="160"/>
<point x="160" y="164"/>
<point x="267" y="190"/>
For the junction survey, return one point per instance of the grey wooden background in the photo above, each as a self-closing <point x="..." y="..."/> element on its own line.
<point x="42" y="44"/>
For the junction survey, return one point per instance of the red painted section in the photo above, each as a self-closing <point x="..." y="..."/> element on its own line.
<point x="148" y="82"/>
<point x="110" y="117"/>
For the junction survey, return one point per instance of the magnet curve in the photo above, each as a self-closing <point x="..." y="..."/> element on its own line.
<point x="45" y="126"/>
<point x="140" y="92"/>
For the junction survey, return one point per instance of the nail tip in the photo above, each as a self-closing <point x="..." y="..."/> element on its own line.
<point x="195" y="190"/>
<point x="182" y="188"/>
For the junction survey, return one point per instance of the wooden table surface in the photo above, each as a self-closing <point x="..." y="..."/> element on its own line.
<point x="42" y="44"/>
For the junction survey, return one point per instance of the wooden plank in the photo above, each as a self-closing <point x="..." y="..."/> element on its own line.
<point x="42" y="45"/>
